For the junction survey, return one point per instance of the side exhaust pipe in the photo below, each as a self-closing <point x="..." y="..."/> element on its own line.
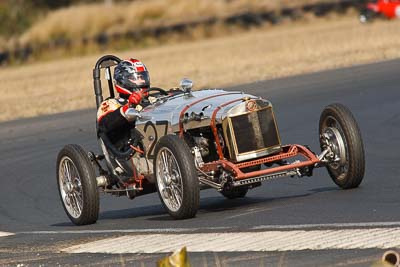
<point x="391" y="257"/>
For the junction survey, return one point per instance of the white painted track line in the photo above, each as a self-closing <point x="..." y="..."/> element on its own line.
<point x="223" y="228"/>
<point x="2" y="234"/>
<point x="272" y="240"/>
<point x="329" y="225"/>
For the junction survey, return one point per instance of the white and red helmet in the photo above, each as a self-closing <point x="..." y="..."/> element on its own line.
<point x="130" y="75"/>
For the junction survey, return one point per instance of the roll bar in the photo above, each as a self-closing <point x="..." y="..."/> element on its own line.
<point x="105" y="62"/>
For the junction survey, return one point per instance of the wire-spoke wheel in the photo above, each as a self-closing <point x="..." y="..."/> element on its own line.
<point x="77" y="185"/>
<point x="177" y="181"/>
<point x="340" y="135"/>
<point x="170" y="182"/>
<point x="70" y="187"/>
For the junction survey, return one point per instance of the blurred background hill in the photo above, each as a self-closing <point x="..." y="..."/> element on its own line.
<point x="48" y="48"/>
<point x="41" y="29"/>
<point x="16" y="16"/>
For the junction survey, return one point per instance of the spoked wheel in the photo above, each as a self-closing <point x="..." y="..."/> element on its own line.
<point x="177" y="181"/>
<point x="340" y="135"/>
<point x="77" y="185"/>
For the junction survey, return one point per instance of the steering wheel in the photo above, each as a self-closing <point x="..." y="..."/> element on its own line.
<point x="156" y="89"/>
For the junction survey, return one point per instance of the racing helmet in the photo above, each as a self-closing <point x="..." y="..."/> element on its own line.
<point x="129" y="76"/>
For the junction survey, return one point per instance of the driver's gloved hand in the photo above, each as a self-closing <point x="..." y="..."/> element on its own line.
<point x="135" y="98"/>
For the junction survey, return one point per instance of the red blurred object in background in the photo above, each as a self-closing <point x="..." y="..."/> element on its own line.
<point x="387" y="8"/>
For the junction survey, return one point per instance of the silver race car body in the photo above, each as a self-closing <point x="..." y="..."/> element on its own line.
<point x="183" y="141"/>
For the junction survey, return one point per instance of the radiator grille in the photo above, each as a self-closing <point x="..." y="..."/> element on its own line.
<point x="254" y="132"/>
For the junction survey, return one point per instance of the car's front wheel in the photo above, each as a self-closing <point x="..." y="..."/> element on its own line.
<point x="77" y="185"/>
<point x="341" y="137"/>
<point x="176" y="175"/>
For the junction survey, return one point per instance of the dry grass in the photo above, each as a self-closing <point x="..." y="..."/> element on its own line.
<point x="3" y="43"/>
<point x="80" y="21"/>
<point x="260" y="54"/>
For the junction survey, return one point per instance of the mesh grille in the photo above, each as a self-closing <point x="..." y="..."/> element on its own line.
<point x="255" y="131"/>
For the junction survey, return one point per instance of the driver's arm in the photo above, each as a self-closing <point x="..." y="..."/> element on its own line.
<point x="110" y="117"/>
<point x="113" y="128"/>
<point x="112" y="113"/>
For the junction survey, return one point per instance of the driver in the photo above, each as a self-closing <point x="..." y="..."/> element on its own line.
<point x="131" y="80"/>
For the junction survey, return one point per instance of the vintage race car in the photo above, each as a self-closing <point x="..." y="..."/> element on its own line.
<point x="389" y="9"/>
<point x="185" y="141"/>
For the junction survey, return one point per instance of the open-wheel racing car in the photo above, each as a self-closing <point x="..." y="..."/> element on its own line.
<point x="188" y="140"/>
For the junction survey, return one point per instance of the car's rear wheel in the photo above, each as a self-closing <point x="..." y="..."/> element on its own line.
<point x="176" y="175"/>
<point x="341" y="136"/>
<point x="77" y="185"/>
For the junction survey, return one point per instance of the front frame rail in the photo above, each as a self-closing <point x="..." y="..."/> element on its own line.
<point x="288" y="151"/>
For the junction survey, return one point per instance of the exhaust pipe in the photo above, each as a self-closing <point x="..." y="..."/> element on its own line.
<point x="392" y="257"/>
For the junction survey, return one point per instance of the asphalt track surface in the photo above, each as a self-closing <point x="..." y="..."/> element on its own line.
<point x="29" y="200"/>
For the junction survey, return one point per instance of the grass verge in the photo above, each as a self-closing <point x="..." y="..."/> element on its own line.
<point x="89" y="20"/>
<point x="271" y="52"/>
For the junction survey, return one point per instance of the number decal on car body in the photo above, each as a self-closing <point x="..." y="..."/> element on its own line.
<point x="150" y="126"/>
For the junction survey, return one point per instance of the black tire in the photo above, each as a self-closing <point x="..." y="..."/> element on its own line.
<point x="182" y="168"/>
<point x="84" y="185"/>
<point x="239" y="192"/>
<point x="350" y="173"/>
<point x="236" y="192"/>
